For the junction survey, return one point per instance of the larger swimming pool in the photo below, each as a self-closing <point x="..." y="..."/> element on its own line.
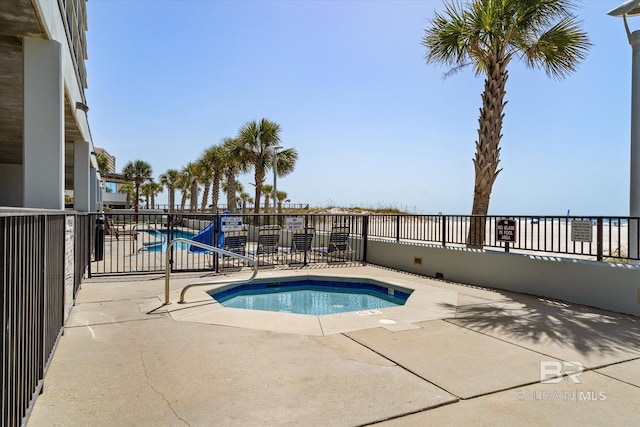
<point x="156" y="240"/>
<point x="312" y="296"/>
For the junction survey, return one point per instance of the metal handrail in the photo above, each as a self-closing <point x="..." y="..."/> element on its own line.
<point x="208" y="247"/>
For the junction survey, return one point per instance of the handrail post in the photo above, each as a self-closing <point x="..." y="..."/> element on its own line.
<point x="599" y="238"/>
<point x="365" y="237"/>
<point x="444" y="230"/>
<point x="397" y="228"/>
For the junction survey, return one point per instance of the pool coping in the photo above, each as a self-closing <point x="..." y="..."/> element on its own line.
<point x="426" y="302"/>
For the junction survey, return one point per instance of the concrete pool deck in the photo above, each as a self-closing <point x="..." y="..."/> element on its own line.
<point x="455" y="354"/>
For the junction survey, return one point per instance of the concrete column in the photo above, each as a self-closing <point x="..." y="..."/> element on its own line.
<point x="96" y="195"/>
<point x="81" y="181"/>
<point x="43" y="166"/>
<point x="634" y="174"/>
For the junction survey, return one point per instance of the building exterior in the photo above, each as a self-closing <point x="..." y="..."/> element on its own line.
<point x="45" y="140"/>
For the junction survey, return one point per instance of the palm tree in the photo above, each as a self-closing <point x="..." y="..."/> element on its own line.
<point x="267" y="192"/>
<point x="138" y="172"/>
<point x="281" y="196"/>
<point x="192" y="172"/>
<point x="146" y="189"/>
<point x="256" y="142"/>
<point x="150" y="190"/>
<point x="212" y="161"/>
<point x="234" y="163"/>
<point x="184" y="185"/>
<point x="103" y="164"/>
<point x="245" y="198"/>
<point x="128" y="190"/>
<point x="170" y="180"/>
<point x="487" y="34"/>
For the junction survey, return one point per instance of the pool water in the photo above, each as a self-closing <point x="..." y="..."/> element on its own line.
<point x="311" y="297"/>
<point x="159" y="238"/>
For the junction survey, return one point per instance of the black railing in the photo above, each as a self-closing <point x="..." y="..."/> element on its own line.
<point x="246" y="208"/>
<point x="136" y="243"/>
<point x="45" y="256"/>
<point x="37" y="273"/>
<point x="601" y="238"/>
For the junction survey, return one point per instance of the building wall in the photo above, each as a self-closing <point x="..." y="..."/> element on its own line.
<point x="614" y="287"/>
<point x="29" y="23"/>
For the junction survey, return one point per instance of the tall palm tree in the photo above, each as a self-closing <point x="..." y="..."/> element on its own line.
<point x="137" y="172"/>
<point x="184" y="185"/>
<point x="212" y="161"/>
<point x="128" y="190"/>
<point x="170" y="180"/>
<point x="256" y="142"/>
<point x="487" y="35"/>
<point x="146" y="189"/>
<point x="267" y="192"/>
<point x="192" y="172"/>
<point x="150" y="190"/>
<point x="103" y="164"/>
<point x="234" y="163"/>
<point x="245" y="198"/>
<point x="281" y="196"/>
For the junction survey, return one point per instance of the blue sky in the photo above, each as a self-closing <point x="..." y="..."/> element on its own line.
<point x="374" y="125"/>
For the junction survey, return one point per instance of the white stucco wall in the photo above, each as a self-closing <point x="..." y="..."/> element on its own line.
<point x="614" y="287"/>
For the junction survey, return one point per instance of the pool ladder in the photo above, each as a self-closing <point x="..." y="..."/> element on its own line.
<point x="251" y="261"/>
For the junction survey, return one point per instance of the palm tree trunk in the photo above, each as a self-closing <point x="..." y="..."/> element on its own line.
<point x="231" y="192"/>
<point x="183" y="201"/>
<point x="194" y="197"/>
<point x="172" y="199"/>
<point x="215" y="193"/>
<point x="259" y="176"/>
<point x="205" y="196"/>
<point x="487" y="155"/>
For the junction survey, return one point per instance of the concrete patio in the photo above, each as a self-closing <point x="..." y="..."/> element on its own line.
<point x="455" y="354"/>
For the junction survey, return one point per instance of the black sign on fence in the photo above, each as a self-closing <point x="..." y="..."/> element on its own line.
<point x="506" y="230"/>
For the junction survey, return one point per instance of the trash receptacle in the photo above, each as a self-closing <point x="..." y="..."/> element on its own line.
<point x="99" y="240"/>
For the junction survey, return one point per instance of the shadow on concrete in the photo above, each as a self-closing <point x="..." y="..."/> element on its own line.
<point x="543" y="322"/>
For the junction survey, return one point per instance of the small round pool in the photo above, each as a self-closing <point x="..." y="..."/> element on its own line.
<point x="313" y="296"/>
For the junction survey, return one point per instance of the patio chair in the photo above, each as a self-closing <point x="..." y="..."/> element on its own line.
<point x="268" y="238"/>
<point x="236" y="242"/>
<point x="338" y="245"/>
<point x="300" y="243"/>
<point x="111" y="229"/>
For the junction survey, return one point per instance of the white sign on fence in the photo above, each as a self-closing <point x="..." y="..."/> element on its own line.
<point x="231" y="223"/>
<point x="581" y="231"/>
<point x="294" y="223"/>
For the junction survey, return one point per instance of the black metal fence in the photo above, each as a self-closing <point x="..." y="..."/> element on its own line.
<point x="137" y="243"/>
<point x="599" y="238"/>
<point x="41" y="251"/>
<point x="36" y="288"/>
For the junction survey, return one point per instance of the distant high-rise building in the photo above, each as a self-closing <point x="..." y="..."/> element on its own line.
<point x="111" y="160"/>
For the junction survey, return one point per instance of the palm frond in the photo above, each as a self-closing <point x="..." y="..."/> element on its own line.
<point x="559" y="49"/>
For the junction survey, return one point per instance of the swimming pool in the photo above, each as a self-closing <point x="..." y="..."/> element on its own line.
<point x="156" y="240"/>
<point x="313" y="296"/>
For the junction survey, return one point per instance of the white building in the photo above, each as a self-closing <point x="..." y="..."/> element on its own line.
<point x="45" y="141"/>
